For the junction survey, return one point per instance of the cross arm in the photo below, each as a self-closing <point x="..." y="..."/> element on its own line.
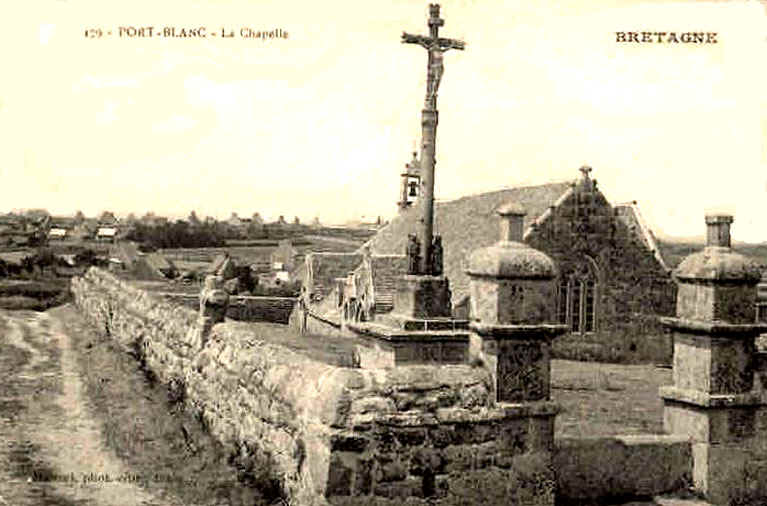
<point x="408" y="38"/>
<point x="445" y="44"/>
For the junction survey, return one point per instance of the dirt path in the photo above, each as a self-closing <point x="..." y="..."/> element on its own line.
<point x="51" y="449"/>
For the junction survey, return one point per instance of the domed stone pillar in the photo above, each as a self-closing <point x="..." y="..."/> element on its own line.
<point x="513" y="303"/>
<point x="712" y="399"/>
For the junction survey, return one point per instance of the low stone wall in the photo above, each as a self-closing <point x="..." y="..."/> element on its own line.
<point x="244" y="308"/>
<point x="419" y="434"/>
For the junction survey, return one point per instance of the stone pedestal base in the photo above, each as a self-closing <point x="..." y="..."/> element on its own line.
<point x="388" y="346"/>
<point x="422" y="297"/>
<point x="726" y="434"/>
<point x="518" y="357"/>
<point x="714" y="404"/>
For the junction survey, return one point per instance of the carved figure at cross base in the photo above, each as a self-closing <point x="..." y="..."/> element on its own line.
<point x="413" y="257"/>
<point x="436" y="256"/>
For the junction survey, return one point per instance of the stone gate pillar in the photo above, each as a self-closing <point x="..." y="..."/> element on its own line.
<point x="214" y="302"/>
<point x="712" y="399"/>
<point x="513" y="304"/>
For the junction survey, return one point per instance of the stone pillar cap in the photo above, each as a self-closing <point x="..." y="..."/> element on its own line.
<point x="718" y="262"/>
<point x="511" y="260"/>
<point x="712" y="219"/>
<point x="511" y="209"/>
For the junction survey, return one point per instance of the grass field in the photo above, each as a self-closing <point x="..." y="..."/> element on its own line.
<point x="607" y="399"/>
<point x="35" y="295"/>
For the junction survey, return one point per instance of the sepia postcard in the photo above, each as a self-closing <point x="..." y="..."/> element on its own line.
<point x="296" y="252"/>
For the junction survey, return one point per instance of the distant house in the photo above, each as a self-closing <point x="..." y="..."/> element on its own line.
<point x="106" y="234"/>
<point x="60" y="227"/>
<point x="108" y="218"/>
<point x="367" y="223"/>
<point x="84" y="230"/>
<point x="256" y="225"/>
<point x="159" y="263"/>
<point x="234" y="221"/>
<point x="56" y="233"/>
<point x="149" y="219"/>
<point x="125" y="253"/>
<point x="223" y="265"/>
<point x="283" y="258"/>
<point x="273" y="279"/>
<point x="125" y="256"/>
<point x="154" y="266"/>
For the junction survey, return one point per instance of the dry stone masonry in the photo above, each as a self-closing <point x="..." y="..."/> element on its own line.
<point x="417" y="434"/>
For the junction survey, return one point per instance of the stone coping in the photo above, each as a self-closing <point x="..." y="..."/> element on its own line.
<point x="409" y="323"/>
<point x="501" y="411"/>
<point x="543" y="331"/>
<point x="415" y="277"/>
<point x="391" y="334"/>
<point x="716" y="328"/>
<point x="626" y="439"/>
<point x="707" y="400"/>
<point x="232" y="297"/>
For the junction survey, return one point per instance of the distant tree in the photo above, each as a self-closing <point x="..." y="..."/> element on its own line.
<point x="37" y="214"/>
<point x="79" y="217"/>
<point x="193" y="219"/>
<point x="176" y="235"/>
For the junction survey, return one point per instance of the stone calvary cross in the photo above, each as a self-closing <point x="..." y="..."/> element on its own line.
<point x="436" y="46"/>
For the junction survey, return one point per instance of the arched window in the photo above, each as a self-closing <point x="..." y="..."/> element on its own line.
<point x="577" y="297"/>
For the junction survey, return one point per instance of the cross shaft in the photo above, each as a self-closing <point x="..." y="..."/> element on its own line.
<point x="436" y="46"/>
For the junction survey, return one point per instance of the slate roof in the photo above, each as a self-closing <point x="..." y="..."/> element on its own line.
<point x="62" y="222"/>
<point x="127" y="252"/>
<point x="324" y="268"/>
<point x="217" y="263"/>
<point x="465" y="224"/>
<point x="630" y="215"/>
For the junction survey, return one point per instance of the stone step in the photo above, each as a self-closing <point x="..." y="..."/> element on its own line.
<point x="664" y="501"/>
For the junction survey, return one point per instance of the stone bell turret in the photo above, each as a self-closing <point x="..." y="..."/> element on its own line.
<point x="410" y="183"/>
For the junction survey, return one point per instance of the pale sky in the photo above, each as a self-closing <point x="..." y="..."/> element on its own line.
<point x="321" y="123"/>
